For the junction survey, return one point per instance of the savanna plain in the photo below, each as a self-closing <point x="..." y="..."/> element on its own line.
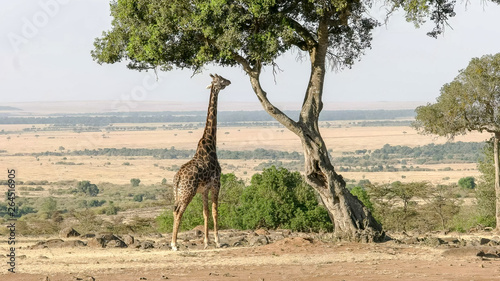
<point x="119" y="237"/>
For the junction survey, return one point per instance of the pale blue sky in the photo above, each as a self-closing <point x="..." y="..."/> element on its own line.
<point x="45" y="56"/>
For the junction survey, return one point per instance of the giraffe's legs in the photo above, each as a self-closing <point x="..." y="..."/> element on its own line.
<point x="205" y="216"/>
<point x="178" y="211"/>
<point x="215" y="199"/>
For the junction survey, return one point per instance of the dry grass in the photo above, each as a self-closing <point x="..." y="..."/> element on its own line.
<point x="150" y="171"/>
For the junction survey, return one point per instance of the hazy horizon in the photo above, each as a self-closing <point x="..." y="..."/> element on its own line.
<point x="50" y="107"/>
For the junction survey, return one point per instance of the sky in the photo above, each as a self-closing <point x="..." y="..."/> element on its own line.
<point x="45" y="56"/>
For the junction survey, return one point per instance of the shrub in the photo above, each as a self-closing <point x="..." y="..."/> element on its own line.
<point x="111" y="209"/>
<point x="363" y="196"/>
<point x="138" y="197"/>
<point x="135" y="182"/>
<point x="277" y="198"/>
<point x="49" y="206"/>
<point x="87" y="188"/>
<point x="467" y="182"/>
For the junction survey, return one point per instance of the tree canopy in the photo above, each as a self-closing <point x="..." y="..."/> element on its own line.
<point x="189" y="34"/>
<point x="471" y="102"/>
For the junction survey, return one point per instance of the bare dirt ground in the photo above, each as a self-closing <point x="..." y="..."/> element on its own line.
<point x="295" y="257"/>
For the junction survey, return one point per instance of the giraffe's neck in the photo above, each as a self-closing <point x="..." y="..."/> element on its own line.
<point x="208" y="142"/>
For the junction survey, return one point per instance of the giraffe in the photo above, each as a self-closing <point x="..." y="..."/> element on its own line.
<point x="202" y="173"/>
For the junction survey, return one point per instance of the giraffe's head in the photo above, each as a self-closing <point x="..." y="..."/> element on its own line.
<point x="218" y="82"/>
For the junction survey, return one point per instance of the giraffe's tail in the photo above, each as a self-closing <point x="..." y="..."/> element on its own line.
<point x="176" y="193"/>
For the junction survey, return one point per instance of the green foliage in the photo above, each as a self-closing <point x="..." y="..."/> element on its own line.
<point x="441" y="207"/>
<point x="467" y="182"/>
<point x="415" y="206"/>
<point x="468" y="103"/>
<point x="91" y="203"/>
<point x="470" y="217"/>
<point x="188" y="34"/>
<point x="363" y="196"/>
<point x="389" y="157"/>
<point x="393" y="204"/>
<point x="138" y="197"/>
<point x="87" y="188"/>
<point x="276" y="198"/>
<point x="111" y="209"/>
<point x="279" y="198"/>
<point x="229" y="196"/>
<point x="485" y="191"/>
<point x="135" y="182"/>
<point x="49" y="206"/>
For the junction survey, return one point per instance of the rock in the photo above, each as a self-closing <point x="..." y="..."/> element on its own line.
<point x="237" y="241"/>
<point x="484" y="241"/>
<point x="410" y="240"/>
<point x="197" y="233"/>
<point x="276" y="236"/>
<point x="106" y="239"/>
<point x="97" y="242"/>
<point x="108" y="236"/>
<point x="116" y="244"/>
<point x="261" y="231"/>
<point x="285" y="232"/>
<point x="258" y="240"/>
<point x="156" y="235"/>
<point x="57" y="243"/>
<point x="68" y="232"/>
<point x="433" y="241"/>
<point x="148" y="244"/>
<point x="88" y="235"/>
<point x="75" y="243"/>
<point x="450" y="240"/>
<point x="128" y="239"/>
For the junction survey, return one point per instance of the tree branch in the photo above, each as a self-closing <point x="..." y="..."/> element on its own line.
<point x="309" y="39"/>
<point x="313" y="104"/>
<point x="272" y="110"/>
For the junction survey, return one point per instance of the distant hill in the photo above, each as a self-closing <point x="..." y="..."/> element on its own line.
<point x="71" y="107"/>
<point x="104" y="119"/>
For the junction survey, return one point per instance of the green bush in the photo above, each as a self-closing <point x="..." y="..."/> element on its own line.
<point x="87" y="188"/>
<point x="277" y="198"/>
<point x="363" y="196"/>
<point x="467" y="182"/>
<point x="111" y="209"/>
<point x="138" y="197"/>
<point x="135" y="182"/>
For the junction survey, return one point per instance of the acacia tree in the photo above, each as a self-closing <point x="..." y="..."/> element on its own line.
<point x="168" y="34"/>
<point x="471" y="102"/>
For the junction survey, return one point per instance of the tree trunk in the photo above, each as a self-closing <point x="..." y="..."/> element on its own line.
<point x="497" y="178"/>
<point x="352" y="220"/>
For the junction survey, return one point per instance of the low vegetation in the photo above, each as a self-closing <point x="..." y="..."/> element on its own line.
<point x="276" y="198"/>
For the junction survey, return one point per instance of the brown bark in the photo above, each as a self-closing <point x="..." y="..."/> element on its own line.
<point x="352" y="220"/>
<point x="497" y="178"/>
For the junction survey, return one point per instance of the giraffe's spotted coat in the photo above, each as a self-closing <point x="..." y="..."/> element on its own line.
<point x="202" y="173"/>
